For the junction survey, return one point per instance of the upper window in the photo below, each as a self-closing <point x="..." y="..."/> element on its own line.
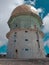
<point x="14" y="40"/>
<point x="16" y="50"/>
<point x="25" y="21"/>
<point x="16" y="25"/>
<point x="15" y="33"/>
<point x="37" y="40"/>
<point x="26" y="39"/>
<point x="26" y="31"/>
<point x="26" y="49"/>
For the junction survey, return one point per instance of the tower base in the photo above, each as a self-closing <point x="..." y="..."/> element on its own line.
<point x="44" y="61"/>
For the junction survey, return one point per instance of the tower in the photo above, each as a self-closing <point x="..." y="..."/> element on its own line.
<point x="25" y="35"/>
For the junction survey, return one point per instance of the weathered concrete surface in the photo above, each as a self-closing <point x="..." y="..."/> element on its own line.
<point x="44" y="61"/>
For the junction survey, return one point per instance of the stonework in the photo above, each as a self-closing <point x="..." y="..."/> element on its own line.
<point x="24" y="62"/>
<point x="22" y="44"/>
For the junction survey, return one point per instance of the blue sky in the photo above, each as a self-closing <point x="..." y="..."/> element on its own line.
<point x="6" y="8"/>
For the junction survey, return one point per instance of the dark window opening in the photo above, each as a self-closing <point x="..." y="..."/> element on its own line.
<point x="4" y="55"/>
<point x="15" y="33"/>
<point x="26" y="39"/>
<point x="16" y="25"/>
<point x="14" y="40"/>
<point x="26" y="49"/>
<point x="1" y="55"/>
<point x="26" y="31"/>
<point x="16" y="50"/>
<point x="37" y="40"/>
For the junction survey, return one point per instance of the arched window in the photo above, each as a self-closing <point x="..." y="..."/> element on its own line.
<point x="16" y="50"/>
<point x="26" y="31"/>
<point x="26" y="49"/>
<point x="14" y="40"/>
<point x="26" y="39"/>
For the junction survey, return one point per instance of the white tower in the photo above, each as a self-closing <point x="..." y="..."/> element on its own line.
<point x="25" y="36"/>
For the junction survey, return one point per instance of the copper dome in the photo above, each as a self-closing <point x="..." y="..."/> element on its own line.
<point x="24" y="10"/>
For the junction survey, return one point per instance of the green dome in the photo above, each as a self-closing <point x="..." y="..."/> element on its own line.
<point x="26" y="14"/>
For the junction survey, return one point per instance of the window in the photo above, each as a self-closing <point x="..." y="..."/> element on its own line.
<point x="26" y="49"/>
<point x="16" y="50"/>
<point x="37" y="40"/>
<point x="14" y="40"/>
<point x="15" y="33"/>
<point x="26" y="31"/>
<point x="16" y="25"/>
<point x="4" y="55"/>
<point x="26" y="39"/>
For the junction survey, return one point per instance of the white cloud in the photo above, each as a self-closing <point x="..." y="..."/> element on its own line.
<point x="19" y="2"/>
<point x="46" y="43"/>
<point x="6" y="7"/>
<point x="46" y="23"/>
<point x="33" y="8"/>
<point x="1" y="43"/>
<point x="33" y="2"/>
<point x="40" y="10"/>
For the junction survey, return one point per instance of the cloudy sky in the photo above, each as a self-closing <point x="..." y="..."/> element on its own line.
<point x="6" y="8"/>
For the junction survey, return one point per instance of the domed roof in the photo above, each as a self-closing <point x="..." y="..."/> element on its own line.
<point x="24" y="10"/>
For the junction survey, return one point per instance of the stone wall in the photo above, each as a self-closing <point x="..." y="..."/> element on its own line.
<point x="44" y="61"/>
